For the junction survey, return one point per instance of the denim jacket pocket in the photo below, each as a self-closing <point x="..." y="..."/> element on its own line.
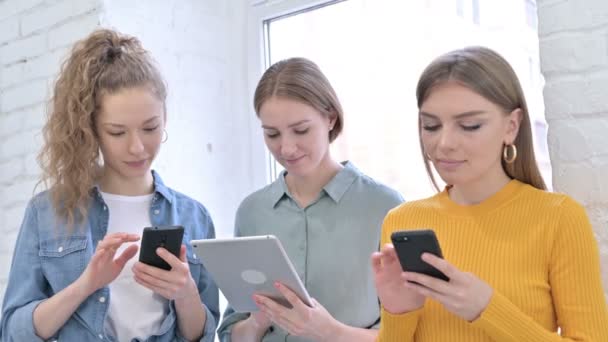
<point x="63" y="259"/>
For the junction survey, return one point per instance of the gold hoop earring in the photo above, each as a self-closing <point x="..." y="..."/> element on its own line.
<point x="505" y="153"/>
<point x="166" y="136"/>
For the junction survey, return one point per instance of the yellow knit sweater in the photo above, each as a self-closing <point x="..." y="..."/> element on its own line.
<point x="536" y="250"/>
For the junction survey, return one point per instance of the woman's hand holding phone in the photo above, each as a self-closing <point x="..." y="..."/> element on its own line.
<point x="465" y="295"/>
<point x="173" y="284"/>
<point x="394" y="293"/>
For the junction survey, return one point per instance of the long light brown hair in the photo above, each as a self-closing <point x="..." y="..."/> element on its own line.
<point x="301" y="80"/>
<point x="488" y="74"/>
<point x="105" y="62"/>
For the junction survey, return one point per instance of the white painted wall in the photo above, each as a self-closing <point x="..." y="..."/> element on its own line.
<point x="199" y="46"/>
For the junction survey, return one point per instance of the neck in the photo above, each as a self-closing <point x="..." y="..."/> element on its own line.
<point x="306" y="188"/>
<point x="478" y="191"/>
<point x="113" y="183"/>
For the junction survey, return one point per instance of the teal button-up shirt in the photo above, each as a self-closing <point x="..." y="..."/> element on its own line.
<point x="329" y="243"/>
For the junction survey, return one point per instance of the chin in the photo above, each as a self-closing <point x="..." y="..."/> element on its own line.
<point x="299" y="171"/>
<point x="130" y="173"/>
<point x="450" y="179"/>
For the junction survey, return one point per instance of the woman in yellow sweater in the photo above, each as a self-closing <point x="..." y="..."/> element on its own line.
<point x="523" y="263"/>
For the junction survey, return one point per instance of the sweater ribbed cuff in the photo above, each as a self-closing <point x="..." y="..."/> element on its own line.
<point x="398" y="327"/>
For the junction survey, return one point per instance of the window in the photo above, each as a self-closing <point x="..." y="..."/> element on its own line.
<point x="475" y="6"/>
<point x="468" y="9"/>
<point x="460" y="8"/>
<point x="531" y="14"/>
<point x="373" y="52"/>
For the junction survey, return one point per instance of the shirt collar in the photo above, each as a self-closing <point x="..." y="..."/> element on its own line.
<point x="335" y="189"/>
<point x="159" y="187"/>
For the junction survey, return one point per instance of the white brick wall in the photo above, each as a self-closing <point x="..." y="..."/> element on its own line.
<point x="574" y="60"/>
<point x="33" y="39"/>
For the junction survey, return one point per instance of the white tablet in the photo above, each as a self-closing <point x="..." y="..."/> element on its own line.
<point x="244" y="266"/>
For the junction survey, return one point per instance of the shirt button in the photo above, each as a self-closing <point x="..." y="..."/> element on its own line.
<point x="194" y="256"/>
<point x="156" y="212"/>
<point x="100" y="336"/>
<point x="105" y="208"/>
<point x="102" y="299"/>
<point x="60" y="249"/>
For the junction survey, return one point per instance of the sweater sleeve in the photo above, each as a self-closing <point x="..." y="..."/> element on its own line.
<point x="396" y="327"/>
<point x="576" y="287"/>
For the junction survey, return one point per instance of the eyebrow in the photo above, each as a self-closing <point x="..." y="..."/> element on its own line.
<point x="458" y="116"/>
<point x="292" y="125"/>
<point x="119" y="125"/>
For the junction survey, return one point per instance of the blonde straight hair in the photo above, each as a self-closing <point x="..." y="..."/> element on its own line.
<point x="301" y="80"/>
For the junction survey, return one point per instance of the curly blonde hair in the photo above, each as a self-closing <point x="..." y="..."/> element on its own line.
<point x="105" y="62"/>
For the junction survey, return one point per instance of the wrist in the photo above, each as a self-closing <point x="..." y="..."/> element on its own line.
<point x="333" y="332"/>
<point x="82" y="288"/>
<point x="190" y="293"/>
<point x="401" y="311"/>
<point x="257" y="327"/>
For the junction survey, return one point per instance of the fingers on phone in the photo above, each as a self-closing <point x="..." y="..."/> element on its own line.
<point x="127" y="254"/>
<point x="113" y="241"/>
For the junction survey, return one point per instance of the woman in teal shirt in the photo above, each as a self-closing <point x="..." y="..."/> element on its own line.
<point x="327" y="214"/>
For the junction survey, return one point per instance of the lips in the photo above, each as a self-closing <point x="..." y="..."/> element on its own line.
<point x="138" y="163"/>
<point x="292" y="160"/>
<point x="448" y="163"/>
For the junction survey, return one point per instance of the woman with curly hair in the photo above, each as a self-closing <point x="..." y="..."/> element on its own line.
<point x="74" y="274"/>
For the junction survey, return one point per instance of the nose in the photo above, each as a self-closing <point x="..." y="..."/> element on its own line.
<point x="447" y="139"/>
<point x="136" y="145"/>
<point x="288" y="147"/>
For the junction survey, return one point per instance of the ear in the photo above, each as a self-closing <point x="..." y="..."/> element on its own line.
<point x="333" y="117"/>
<point x="513" y="123"/>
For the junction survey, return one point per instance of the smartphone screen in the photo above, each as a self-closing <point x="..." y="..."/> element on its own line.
<point x="168" y="237"/>
<point x="410" y="244"/>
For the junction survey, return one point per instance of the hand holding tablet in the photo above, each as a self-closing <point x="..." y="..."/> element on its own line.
<point x="244" y="266"/>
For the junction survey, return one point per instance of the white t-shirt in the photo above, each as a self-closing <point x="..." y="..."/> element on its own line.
<point x="134" y="311"/>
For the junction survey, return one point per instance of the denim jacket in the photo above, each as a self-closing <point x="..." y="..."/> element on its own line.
<point x="47" y="258"/>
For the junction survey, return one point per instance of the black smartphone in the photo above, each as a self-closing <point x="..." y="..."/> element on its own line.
<point x="410" y="244"/>
<point x="168" y="237"/>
